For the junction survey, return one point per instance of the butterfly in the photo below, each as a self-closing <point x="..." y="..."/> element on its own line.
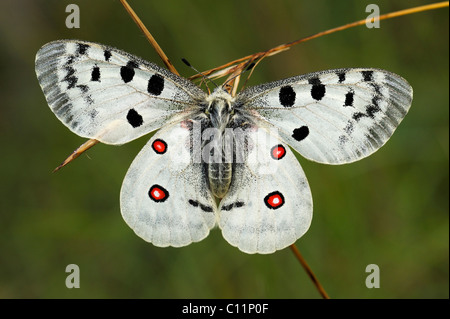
<point x="216" y="159"/>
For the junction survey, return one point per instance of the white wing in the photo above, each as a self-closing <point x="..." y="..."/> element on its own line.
<point x="103" y="93"/>
<point x="165" y="197"/>
<point x="335" y="116"/>
<point x="269" y="203"/>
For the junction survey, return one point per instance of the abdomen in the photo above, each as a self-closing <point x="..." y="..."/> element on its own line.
<point x="219" y="175"/>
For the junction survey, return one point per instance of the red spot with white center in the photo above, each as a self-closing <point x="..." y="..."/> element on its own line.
<point x="274" y="200"/>
<point x="158" y="193"/>
<point x="278" y="151"/>
<point x="159" y="146"/>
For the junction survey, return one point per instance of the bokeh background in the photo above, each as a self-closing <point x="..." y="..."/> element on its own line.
<point x="390" y="209"/>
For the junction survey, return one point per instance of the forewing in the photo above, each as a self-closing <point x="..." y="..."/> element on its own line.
<point x="335" y="116"/>
<point x="164" y="196"/>
<point x="269" y="203"/>
<point x="106" y="94"/>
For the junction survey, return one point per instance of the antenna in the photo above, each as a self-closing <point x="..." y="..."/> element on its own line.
<point x="204" y="76"/>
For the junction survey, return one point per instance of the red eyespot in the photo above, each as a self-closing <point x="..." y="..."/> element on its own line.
<point x="274" y="200"/>
<point x="278" y="151"/>
<point x="158" y="193"/>
<point x="159" y="146"/>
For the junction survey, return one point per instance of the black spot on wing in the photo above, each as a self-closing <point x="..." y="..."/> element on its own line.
<point x="193" y="202"/>
<point x="70" y="77"/>
<point x="317" y="90"/>
<point x="227" y="207"/>
<point x="287" y="96"/>
<point x="70" y="60"/>
<point x="134" y="118"/>
<point x="371" y="110"/>
<point x="83" y="88"/>
<point x="367" y="76"/>
<point x="230" y="206"/>
<point x="82" y="48"/>
<point x="206" y="208"/>
<point x="300" y="133"/>
<point x="341" y="76"/>
<point x="155" y="84"/>
<point x="107" y="55"/>
<point x="203" y="207"/>
<point x="349" y="98"/>
<point x="375" y="100"/>
<point x="357" y="116"/>
<point x="95" y="74"/>
<point x="127" y="72"/>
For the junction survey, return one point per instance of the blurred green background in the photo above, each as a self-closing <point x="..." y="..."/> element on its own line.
<point x="390" y="209"/>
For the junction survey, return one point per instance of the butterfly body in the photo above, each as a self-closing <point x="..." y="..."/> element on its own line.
<point x="219" y="113"/>
<point x="218" y="146"/>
